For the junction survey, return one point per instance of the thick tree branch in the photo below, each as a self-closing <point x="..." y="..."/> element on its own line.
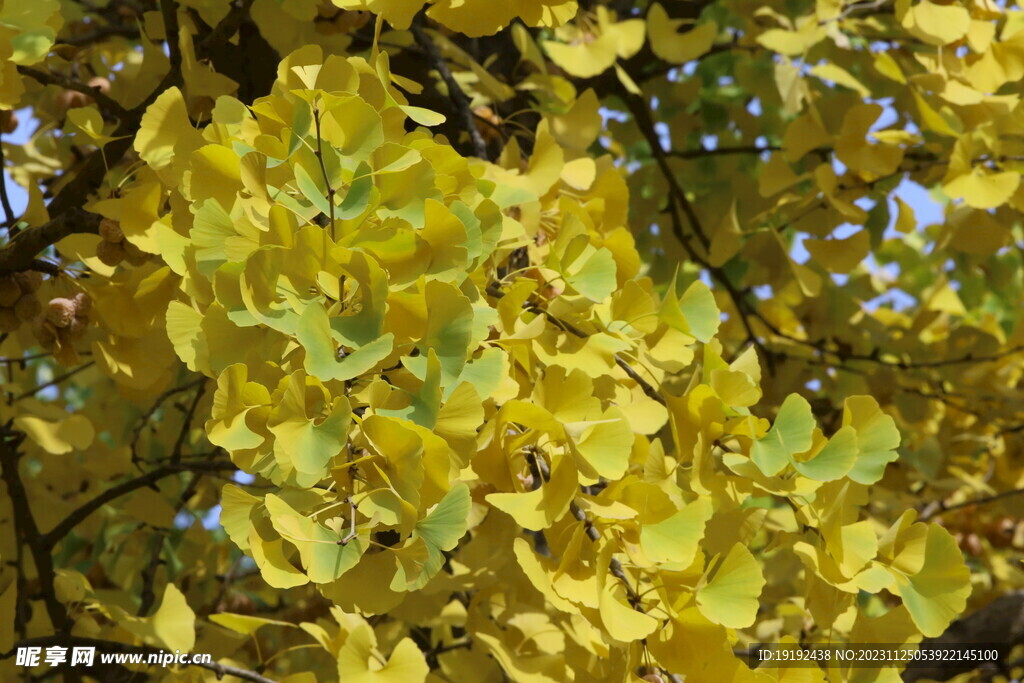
<point x="27" y="533"/>
<point x="20" y="253"/>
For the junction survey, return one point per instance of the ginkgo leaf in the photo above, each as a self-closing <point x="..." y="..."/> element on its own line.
<point x="358" y="661"/>
<point x="326" y="362"/>
<point x="939" y="591"/>
<point x="695" y="313"/>
<point x="324" y="557"/>
<point x="730" y="595"/>
<point x="675" y="47"/>
<point x="677" y="538"/>
<point x="75" y="432"/>
<point x="308" y="437"/>
<point x="834" y="460"/>
<point x="538" y="509"/>
<point x="174" y="621"/>
<point x="790" y="434"/>
<point x="438" y="532"/>
<point x="877" y="438"/>
<point x="622" y="621"/>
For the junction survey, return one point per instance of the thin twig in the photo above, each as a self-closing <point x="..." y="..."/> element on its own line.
<point x="323" y="169"/>
<point x="183" y="432"/>
<point x="56" y="380"/>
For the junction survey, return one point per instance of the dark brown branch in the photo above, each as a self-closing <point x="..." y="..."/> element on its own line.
<point x="20" y="253"/>
<point x="80" y="514"/>
<point x="323" y="169"/>
<point x="189" y="414"/>
<point x="5" y="200"/>
<point x="137" y="431"/>
<point x="169" y="11"/>
<point x="228" y="26"/>
<point x="28" y="534"/>
<point x="105" y="102"/>
<point x="463" y="106"/>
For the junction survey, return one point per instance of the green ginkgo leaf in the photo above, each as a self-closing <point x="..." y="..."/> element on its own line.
<point x="358" y="196"/>
<point x="877" y="438"/>
<point x="311" y="427"/>
<point x="935" y="595"/>
<point x="695" y="313"/>
<point x="438" y="532"/>
<point x="449" y="328"/>
<point x="425" y="404"/>
<point x="322" y="360"/>
<point x="791" y="433"/>
<point x="677" y="538"/>
<point x="834" y="460"/>
<point x="730" y="596"/>
<point x="324" y="556"/>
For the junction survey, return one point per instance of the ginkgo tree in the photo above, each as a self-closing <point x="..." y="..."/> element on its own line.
<point x="378" y="340"/>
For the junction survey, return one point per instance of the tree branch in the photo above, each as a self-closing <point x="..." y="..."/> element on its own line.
<point x="228" y="26"/>
<point x="80" y="514"/>
<point x="5" y="200"/>
<point x="462" y="104"/>
<point x="28" y="534"/>
<point x="55" y="381"/>
<point x="106" y="103"/>
<point x="20" y="253"/>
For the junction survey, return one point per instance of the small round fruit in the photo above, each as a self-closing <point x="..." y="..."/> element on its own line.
<point x="28" y="307"/>
<point x="72" y="99"/>
<point x="8" y="121"/>
<point x="60" y="311"/>
<point x="77" y="328"/>
<point x="10" y="292"/>
<point x="99" y="83"/>
<point x="110" y="230"/>
<point x="83" y="304"/>
<point x="111" y="253"/>
<point x="29" y="280"/>
<point x="45" y="332"/>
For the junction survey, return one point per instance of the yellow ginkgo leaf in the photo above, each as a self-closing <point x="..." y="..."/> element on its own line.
<point x="730" y="595"/>
<point x="75" y="432"/>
